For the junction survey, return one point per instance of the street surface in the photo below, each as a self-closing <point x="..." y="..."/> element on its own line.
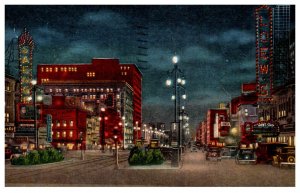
<point x="98" y="170"/>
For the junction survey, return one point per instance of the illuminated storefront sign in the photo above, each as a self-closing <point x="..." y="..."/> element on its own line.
<point x="26" y="46"/>
<point x="264" y="52"/>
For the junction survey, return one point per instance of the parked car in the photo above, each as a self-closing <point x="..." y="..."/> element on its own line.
<point x="213" y="153"/>
<point x="284" y="156"/>
<point x="246" y="155"/>
<point x="8" y="152"/>
<point x="15" y="151"/>
<point x="266" y="151"/>
<point x="229" y="152"/>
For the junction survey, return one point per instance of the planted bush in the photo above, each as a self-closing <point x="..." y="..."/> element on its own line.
<point x="38" y="157"/>
<point x="145" y="157"/>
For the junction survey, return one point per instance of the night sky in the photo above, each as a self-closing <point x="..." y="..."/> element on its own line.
<point x="215" y="44"/>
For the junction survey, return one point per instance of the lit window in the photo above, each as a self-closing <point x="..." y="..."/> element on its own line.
<point x="50" y="69"/>
<point x="75" y="69"/>
<point x="50" y="90"/>
<point x="57" y="124"/>
<point x="94" y="90"/>
<point x="6" y="117"/>
<point x="47" y="69"/>
<point x="125" y="73"/>
<point x="118" y="96"/>
<point x="56" y="69"/>
<point x="65" y="69"/>
<point x="66" y="90"/>
<point x="61" y="69"/>
<point x="71" y="123"/>
<point x="64" y="134"/>
<point x="71" y="134"/>
<point x="64" y="123"/>
<point x="42" y="69"/>
<point x="70" y="69"/>
<point x="57" y="134"/>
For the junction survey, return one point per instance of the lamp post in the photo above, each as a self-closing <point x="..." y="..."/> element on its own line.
<point x="103" y="118"/>
<point x="178" y="82"/>
<point x="115" y="132"/>
<point x="33" y="82"/>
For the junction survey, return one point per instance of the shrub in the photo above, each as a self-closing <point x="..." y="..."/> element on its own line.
<point x="34" y="157"/>
<point x="143" y="157"/>
<point x="44" y="157"/>
<point x="37" y="157"/>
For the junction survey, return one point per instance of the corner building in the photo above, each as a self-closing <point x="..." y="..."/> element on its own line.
<point x="102" y="83"/>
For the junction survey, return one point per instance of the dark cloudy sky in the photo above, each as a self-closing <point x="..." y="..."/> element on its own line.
<point x="216" y="46"/>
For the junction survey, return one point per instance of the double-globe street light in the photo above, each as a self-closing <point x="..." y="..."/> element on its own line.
<point x="178" y="84"/>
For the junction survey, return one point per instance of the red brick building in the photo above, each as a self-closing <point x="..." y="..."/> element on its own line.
<point x="68" y="123"/>
<point x="102" y="83"/>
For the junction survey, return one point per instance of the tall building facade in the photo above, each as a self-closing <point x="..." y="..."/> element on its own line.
<point x="105" y="83"/>
<point x="281" y="36"/>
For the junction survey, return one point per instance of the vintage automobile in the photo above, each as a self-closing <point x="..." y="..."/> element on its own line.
<point x="213" y="153"/>
<point x="246" y="156"/>
<point x="229" y="152"/>
<point x="266" y="151"/>
<point x="284" y="156"/>
<point x="15" y="151"/>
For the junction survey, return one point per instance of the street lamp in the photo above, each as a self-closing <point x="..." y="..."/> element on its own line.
<point x="178" y="82"/>
<point x="115" y="132"/>
<point x="103" y="118"/>
<point x="33" y="82"/>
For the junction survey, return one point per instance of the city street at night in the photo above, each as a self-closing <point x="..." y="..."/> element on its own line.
<point x="195" y="171"/>
<point x="150" y="95"/>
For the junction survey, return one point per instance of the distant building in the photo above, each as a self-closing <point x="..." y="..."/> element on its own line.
<point x="10" y="104"/>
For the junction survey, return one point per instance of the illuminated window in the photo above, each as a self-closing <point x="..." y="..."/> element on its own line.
<point x="71" y="123"/>
<point x="42" y="69"/>
<point x="47" y="69"/>
<point x="56" y="69"/>
<point x="65" y="69"/>
<point x="57" y="134"/>
<point x="66" y="90"/>
<point x="61" y="69"/>
<point x="94" y="90"/>
<point x="6" y="117"/>
<point x="57" y="124"/>
<point x="70" y="69"/>
<point x="75" y="69"/>
<point x="125" y="73"/>
<point x="64" y="123"/>
<point x="71" y="134"/>
<point x="64" y="134"/>
<point x="50" y="69"/>
<point x="50" y="90"/>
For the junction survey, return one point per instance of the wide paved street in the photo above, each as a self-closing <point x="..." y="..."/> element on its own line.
<point x="98" y="170"/>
